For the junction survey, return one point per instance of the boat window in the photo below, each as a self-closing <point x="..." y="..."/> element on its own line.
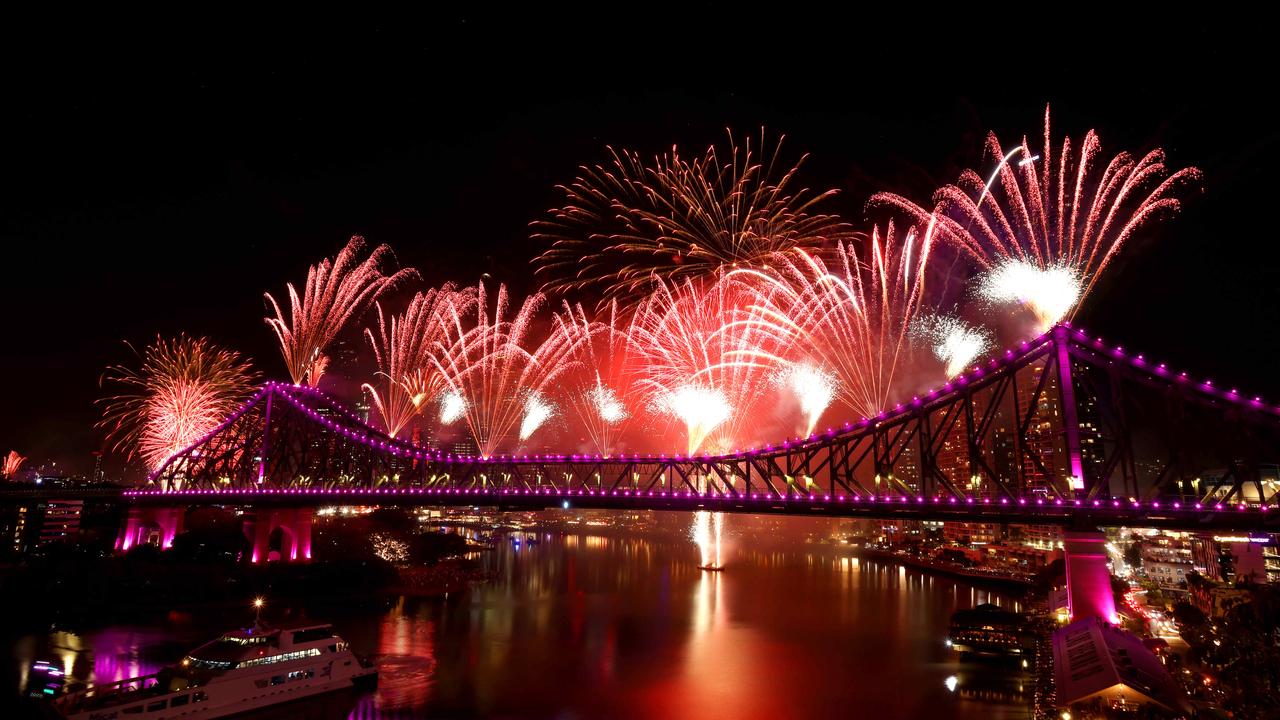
<point x="312" y="635"/>
<point x="295" y="655"/>
<point x="135" y="710"/>
<point x="301" y="674"/>
<point x="198" y="696"/>
<point x="277" y="680"/>
<point x="197" y="663"/>
<point x="157" y="705"/>
<point x="180" y="701"/>
<point x="252" y="640"/>
<point x="338" y="647"/>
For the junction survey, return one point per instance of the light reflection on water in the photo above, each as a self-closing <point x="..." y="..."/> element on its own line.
<point x="622" y="627"/>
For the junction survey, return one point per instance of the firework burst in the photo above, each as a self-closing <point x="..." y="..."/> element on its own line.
<point x="813" y="386"/>
<point x="700" y="356"/>
<point x="1057" y="211"/>
<point x="1049" y="293"/>
<point x="485" y="361"/>
<point x="400" y="346"/>
<point x="12" y="463"/>
<point x="953" y="341"/>
<point x="452" y="406"/>
<point x="183" y="389"/>
<point x="537" y="410"/>
<point x="595" y="389"/>
<point x="854" y="315"/>
<point x="336" y="292"/>
<point x="626" y="222"/>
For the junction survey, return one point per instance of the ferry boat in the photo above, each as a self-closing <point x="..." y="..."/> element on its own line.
<point x="243" y="670"/>
<point x="989" y="630"/>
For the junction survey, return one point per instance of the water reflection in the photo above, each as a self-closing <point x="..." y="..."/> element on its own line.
<point x="407" y="660"/>
<point x="593" y="626"/>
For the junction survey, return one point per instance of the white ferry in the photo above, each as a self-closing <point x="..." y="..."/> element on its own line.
<point x="243" y="670"/>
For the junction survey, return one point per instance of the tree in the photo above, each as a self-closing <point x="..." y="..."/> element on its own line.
<point x="1189" y="615"/>
<point x="1133" y="555"/>
<point x="393" y="520"/>
<point x="432" y="547"/>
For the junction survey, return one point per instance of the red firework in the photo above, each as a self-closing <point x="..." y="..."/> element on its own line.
<point x="702" y="357"/>
<point x="598" y="388"/>
<point x="491" y="365"/>
<point x="405" y="378"/>
<point x="630" y="221"/>
<point x="337" y="291"/>
<point x="12" y="463"/>
<point x="850" y="312"/>
<point x="1053" y="215"/>
<point x="183" y="389"/>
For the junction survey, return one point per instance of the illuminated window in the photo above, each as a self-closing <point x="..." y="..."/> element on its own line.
<point x="283" y="657"/>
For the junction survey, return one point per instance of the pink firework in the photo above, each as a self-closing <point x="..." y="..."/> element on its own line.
<point x="1048" y="215"/>
<point x="12" y="463"/>
<point x="486" y="362"/>
<point x="626" y="222"/>
<point x="700" y="356"/>
<point x="401" y="345"/>
<point x="183" y="389"/>
<point x="337" y="291"/>
<point x="850" y="313"/>
<point x="598" y="388"/>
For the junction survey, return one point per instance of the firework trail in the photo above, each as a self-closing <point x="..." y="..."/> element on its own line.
<point x="599" y="382"/>
<point x="336" y="292"/>
<point x="853" y="316"/>
<point x="183" y="389"/>
<point x="400" y="347"/>
<point x="953" y="341"/>
<point x="626" y="222"/>
<point x="813" y="386"/>
<point x="700" y="356"/>
<point x="485" y="361"/>
<point x="316" y="369"/>
<point x="12" y="463"/>
<point x="1047" y="210"/>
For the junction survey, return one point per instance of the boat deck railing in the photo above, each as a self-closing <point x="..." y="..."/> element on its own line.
<point x="120" y="691"/>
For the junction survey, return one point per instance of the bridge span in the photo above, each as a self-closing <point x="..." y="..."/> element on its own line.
<point x="1065" y="429"/>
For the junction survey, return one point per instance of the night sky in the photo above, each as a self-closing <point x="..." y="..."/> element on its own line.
<point x="161" y="185"/>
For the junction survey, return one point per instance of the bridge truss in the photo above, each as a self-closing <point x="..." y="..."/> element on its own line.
<point x="1061" y="422"/>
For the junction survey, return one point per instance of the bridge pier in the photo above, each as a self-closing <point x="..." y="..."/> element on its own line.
<point x="150" y="525"/>
<point x="293" y="542"/>
<point x="1088" y="579"/>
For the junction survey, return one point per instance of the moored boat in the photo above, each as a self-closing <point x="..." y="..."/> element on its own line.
<point x="242" y="670"/>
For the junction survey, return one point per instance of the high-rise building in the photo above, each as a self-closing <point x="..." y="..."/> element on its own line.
<point x="965" y="533"/>
<point x="43" y="523"/>
<point x="1045" y="537"/>
<point x="99" y="473"/>
<point x="1043" y="418"/>
<point x="1230" y="558"/>
<point x="61" y="522"/>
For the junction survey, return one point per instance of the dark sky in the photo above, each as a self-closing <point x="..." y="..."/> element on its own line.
<point x="160" y="185"/>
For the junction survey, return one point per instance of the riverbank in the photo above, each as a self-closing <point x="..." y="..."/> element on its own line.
<point x="948" y="569"/>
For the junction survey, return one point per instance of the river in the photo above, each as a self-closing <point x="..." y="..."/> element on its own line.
<point x="586" y="626"/>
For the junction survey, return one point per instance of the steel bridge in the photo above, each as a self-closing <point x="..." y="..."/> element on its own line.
<point x="1063" y="429"/>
